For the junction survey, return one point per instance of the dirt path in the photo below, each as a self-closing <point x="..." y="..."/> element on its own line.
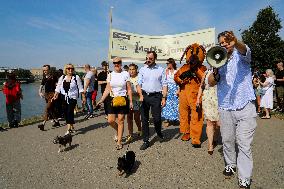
<point x="29" y="159"/>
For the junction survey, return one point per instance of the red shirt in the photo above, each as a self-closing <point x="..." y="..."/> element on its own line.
<point x="12" y="90"/>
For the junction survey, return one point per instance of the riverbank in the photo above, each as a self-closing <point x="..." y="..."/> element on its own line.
<point x="37" y="119"/>
<point x="29" y="159"/>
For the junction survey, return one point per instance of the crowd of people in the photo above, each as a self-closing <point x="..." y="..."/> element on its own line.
<point x="230" y="98"/>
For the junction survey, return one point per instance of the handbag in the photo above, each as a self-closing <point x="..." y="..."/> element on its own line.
<point x="118" y="101"/>
<point x="262" y="92"/>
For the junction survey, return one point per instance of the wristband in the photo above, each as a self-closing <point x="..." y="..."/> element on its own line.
<point x="216" y="77"/>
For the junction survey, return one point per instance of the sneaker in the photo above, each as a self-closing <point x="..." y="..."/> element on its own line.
<point x="229" y="171"/>
<point x="87" y="116"/>
<point x="41" y="127"/>
<point x="91" y="116"/>
<point x="244" y="184"/>
<point x="145" y="145"/>
<point x="15" y="124"/>
<point x="68" y="132"/>
<point x="161" y="137"/>
<point x="56" y="124"/>
<point x="129" y="139"/>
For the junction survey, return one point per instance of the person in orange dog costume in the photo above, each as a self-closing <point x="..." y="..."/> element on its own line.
<point x="188" y="77"/>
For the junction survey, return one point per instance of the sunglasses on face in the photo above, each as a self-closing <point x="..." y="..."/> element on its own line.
<point x="117" y="62"/>
<point x="149" y="58"/>
<point x="70" y="68"/>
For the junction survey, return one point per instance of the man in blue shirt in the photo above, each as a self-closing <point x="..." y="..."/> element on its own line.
<point x="152" y="82"/>
<point x="237" y="107"/>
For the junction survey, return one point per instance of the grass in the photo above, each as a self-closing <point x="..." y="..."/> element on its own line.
<point x="25" y="122"/>
<point x="278" y="115"/>
<point x="37" y="119"/>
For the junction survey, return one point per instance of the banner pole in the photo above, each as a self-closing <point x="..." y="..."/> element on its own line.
<point x="110" y="34"/>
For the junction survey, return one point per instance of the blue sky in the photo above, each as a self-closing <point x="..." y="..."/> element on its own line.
<point x="55" y="32"/>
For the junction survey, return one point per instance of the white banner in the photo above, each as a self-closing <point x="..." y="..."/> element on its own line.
<point x="132" y="47"/>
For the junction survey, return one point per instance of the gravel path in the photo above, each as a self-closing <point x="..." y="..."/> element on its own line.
<point x="29" y="159"/>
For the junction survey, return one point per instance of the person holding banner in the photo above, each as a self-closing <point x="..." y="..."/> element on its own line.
<point x="153" y="83"/>
<point x="236" y="101"/>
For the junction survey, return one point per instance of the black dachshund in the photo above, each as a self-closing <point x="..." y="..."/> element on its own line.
<point x="63" y="140"/>
<point x="126" y="163"/>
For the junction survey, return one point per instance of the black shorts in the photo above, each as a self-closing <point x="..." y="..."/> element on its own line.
<point x="118" y="110"/>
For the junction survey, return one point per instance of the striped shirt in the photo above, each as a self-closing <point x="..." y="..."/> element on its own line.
<point x="152" y="79"/>
<point x="235" y="88"/>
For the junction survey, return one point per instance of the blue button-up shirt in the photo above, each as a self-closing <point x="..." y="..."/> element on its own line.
<point x="152" y="79"/>
<point x="235" y="88"/>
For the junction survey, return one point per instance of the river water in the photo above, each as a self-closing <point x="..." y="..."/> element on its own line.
<point x="32" y="104"/>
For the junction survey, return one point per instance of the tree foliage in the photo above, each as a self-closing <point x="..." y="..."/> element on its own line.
<point x="263" y="39"/>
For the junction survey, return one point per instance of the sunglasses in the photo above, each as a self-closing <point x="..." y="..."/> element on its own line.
<point x="119" y="62"/>
<point x="149" y="58"/>
<point x="70" y="68"/>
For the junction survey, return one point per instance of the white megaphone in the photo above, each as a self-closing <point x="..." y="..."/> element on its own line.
<point x="216" y="56"/>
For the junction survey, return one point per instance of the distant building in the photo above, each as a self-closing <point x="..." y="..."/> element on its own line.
<point x="79" y="68"/>
<point x="6" y="69"/>
<point x="37" y="73"/>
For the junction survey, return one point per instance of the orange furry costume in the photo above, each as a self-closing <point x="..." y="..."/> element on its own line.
<point x="188" y="77"/>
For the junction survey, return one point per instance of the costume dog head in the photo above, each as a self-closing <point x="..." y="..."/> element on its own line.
<point x="195" y="54"/>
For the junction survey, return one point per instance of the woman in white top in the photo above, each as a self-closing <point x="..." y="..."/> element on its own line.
<point x="118" y="85"/>
<point x="69" y="85"/>
<point x="266" y="101"/>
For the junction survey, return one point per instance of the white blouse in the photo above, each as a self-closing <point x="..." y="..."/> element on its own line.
<point x="74" y="86"/>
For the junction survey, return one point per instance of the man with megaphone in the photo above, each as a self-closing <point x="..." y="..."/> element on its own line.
<point x="237" y="110"/>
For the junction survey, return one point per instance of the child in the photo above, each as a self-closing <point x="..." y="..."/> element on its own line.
<point x="136" y="104"/>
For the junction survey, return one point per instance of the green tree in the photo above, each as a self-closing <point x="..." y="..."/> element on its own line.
<point x="263" y="39"/>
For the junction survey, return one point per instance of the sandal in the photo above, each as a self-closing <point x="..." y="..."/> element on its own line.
<point x="129" y="139"/>
<point x="264" y="117"/>
<point x="210" y="150"/>
<point x="119" y="146"/>
<point x="115" y="138"/>
<point x="166" y="124"/>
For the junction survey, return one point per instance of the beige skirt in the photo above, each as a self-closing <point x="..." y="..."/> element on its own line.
<point x="210" y="103"/>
